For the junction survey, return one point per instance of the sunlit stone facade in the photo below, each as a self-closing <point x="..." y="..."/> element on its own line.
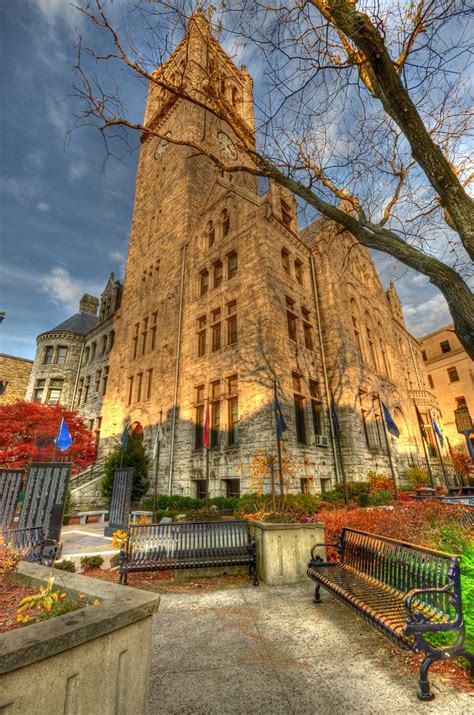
<point x="223" y="295"/>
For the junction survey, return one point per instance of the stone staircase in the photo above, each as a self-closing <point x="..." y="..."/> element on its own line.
<point x="85" y="487"/>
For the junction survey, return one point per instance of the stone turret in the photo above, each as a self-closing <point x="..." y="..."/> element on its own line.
<point x="88" y="304"/>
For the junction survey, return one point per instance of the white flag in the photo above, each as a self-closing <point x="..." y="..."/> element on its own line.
<point x="158" y="438"/>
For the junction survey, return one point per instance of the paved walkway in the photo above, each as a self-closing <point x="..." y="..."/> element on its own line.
<point x="86" y="540"/>
<point x="271" y="650"/>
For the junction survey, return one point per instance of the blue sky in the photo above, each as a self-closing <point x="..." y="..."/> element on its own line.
<point x="64" y="222"/>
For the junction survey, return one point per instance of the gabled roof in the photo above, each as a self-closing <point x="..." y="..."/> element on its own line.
<point x="80" y="324"/>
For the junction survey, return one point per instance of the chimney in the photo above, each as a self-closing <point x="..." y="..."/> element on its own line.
<point x="88" y="304"/>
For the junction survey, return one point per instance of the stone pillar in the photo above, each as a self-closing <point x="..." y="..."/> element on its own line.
<point x="283" y="550"/>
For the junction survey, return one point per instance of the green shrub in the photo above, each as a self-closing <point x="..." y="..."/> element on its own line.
<point x="134" y="456"/>
<point x="162" y="513"/>
<point x="363" y="499"/>
<point x="416" y="477"/>
<point x="67" y="507"/>
<point x="91" y="562"/>
<point x="65" y="565"/>
<point x="225" y="504"/>
<point x="305" y="503"/>
<point x="380" y="498"/>
<point x="253" y="503"/>
<point x="203" y="514"/>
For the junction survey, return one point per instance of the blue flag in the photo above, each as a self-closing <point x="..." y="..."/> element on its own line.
<point x="437" y="430"/>
<point x="63" y="441"/>
<point x="124" y="437"/>
<point x="280" y="420"/>
<point x="389" y="421"/>
<point x="335" y="420"/>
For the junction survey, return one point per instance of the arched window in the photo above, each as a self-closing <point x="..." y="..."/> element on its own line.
<point x="210" y="233"/>
<point x="235" y="97"/>
<point x="355" y="326"/>
<point x="225" y="222"/>
<point x="285" y="261"/>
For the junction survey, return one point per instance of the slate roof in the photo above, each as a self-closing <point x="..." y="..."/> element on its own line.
<point x="80" y="324"/>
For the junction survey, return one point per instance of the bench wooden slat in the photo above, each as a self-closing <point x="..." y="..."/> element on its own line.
<point x="379" y="577"/>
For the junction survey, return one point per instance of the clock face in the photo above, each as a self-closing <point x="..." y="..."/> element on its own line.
<point x="161" y="146"/>
<point x="227" y="146"/>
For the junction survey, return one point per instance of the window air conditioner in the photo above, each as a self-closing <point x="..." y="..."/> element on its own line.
<point x="321" y="440"/>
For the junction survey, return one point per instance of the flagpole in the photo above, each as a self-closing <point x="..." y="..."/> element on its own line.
<point x="280" y="468"/>
<point x="389" y="451"/>
<point x="157" y="464"/>
<point x="418" y="416"/>
<point x="57" y="437"/>
<point x="438" y="449"/>
<point x="338" y="451"/>
<point x="207" y="448"/>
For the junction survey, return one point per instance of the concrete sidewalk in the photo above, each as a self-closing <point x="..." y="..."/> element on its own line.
<point x="86" y="540"/>
<point x="271" y="650"/>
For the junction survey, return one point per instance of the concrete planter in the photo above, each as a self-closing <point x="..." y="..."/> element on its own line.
<point x="95" y="660"/>
<point x="283" y="550"/>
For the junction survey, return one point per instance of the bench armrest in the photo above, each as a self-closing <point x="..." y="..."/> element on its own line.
<point x="318" y="559"/>
<point x="418" y="621"/>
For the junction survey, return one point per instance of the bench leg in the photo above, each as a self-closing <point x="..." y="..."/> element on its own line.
<point x="424" y="692"/>
<point x="317" y="595"/>
<point x="253" y="573"/>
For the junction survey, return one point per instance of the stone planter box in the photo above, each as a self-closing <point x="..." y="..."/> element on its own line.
<point x="94" y="660"/>
<point x="283" y="550"/>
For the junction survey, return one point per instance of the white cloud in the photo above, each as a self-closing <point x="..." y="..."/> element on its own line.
<point x="118" y="257"/>
<point x="43" y="206"/>
<point x="63" y="289"/>
<point x="427" y="316"/>
<point x="77" y="170"/>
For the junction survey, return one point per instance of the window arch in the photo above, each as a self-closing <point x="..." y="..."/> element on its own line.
<point x="225" y="222"/>
<point x="210" y="234"/>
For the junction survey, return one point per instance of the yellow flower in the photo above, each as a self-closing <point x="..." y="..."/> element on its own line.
<point x="96" y="602"/>
<point x="82" y="596"/>
<point x="63" y="596"/>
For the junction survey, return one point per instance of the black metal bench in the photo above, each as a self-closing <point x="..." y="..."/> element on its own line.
<point x="405" y="591"/>
<point x="32" y="542"/>
<point x="188" y="545"/>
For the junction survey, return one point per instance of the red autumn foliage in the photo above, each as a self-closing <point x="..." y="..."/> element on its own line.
<point x="27" y="431"/>
<point x="418" y="522"/>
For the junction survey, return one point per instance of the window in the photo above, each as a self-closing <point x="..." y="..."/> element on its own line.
<point x="201" y="336"/>
<point x="225" y="223"/>
<point x="291" y="320"/>
<point x="139" y="386"/>
<point x="386" y="365"/>
<point x="216" y="329"/>
<point x="54" y="392"/>
<point x="423" y="355"/>
<point x="156" y="277"/>
<point x="355" y="326"/>
<point x="79" y="391"/>
<point x="232" y="488"/>
<point x="325" y="484"/>
<point x="290" y="303"/>
<point x="308" y="337"/>
<point x="144" y="334"/>
<point x="370" y="342"/>
<point x="39" y="391"/>
<point x="48" y="355"/>
<point x="316" y="407"/>
<point x="97" y="431"/>
<point x="299" y="419"/>
<point x="215" y="424"/>
<point x="218" y="273"/>
<point x="233" y="406"/>
<point x="285" y="212"/>
<point x="135" y="340"/>
<point x="285" y="261"/>
<point x="430" y="381"/>
<point x="201" y="486"/>
<point x="154" y="318"/>
<point x="453" y="374"/>
<point x="203" y="282"/>
<point x="199" y="424"/>
<point x="103" y="345"/>
<point x="460" y="401"/>
<point x="216" y="390"/>
<point x="87" y="385"/>
<point x="304" y="485"/>
<point x="93" y="350"/>
<point x="105" y="377"/>
<point x="97" y="381"/>
<point x="86" y="355"/>
<point x="210" y="234"/>
<point x="130" y="390"/>
<point x="232" y="265"/>
<point x="445" y="346"/>
<point x="232" y="322"/>
<point x="296" y="381"/>
<point x="149" y="382"/>
<point x="299" y="271"/>
<point x="62" y="354"/>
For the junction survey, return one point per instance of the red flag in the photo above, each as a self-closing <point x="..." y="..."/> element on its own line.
<point x="205" y="436"/>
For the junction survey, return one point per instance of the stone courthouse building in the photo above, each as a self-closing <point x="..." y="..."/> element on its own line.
<point x="223" y="295"/>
